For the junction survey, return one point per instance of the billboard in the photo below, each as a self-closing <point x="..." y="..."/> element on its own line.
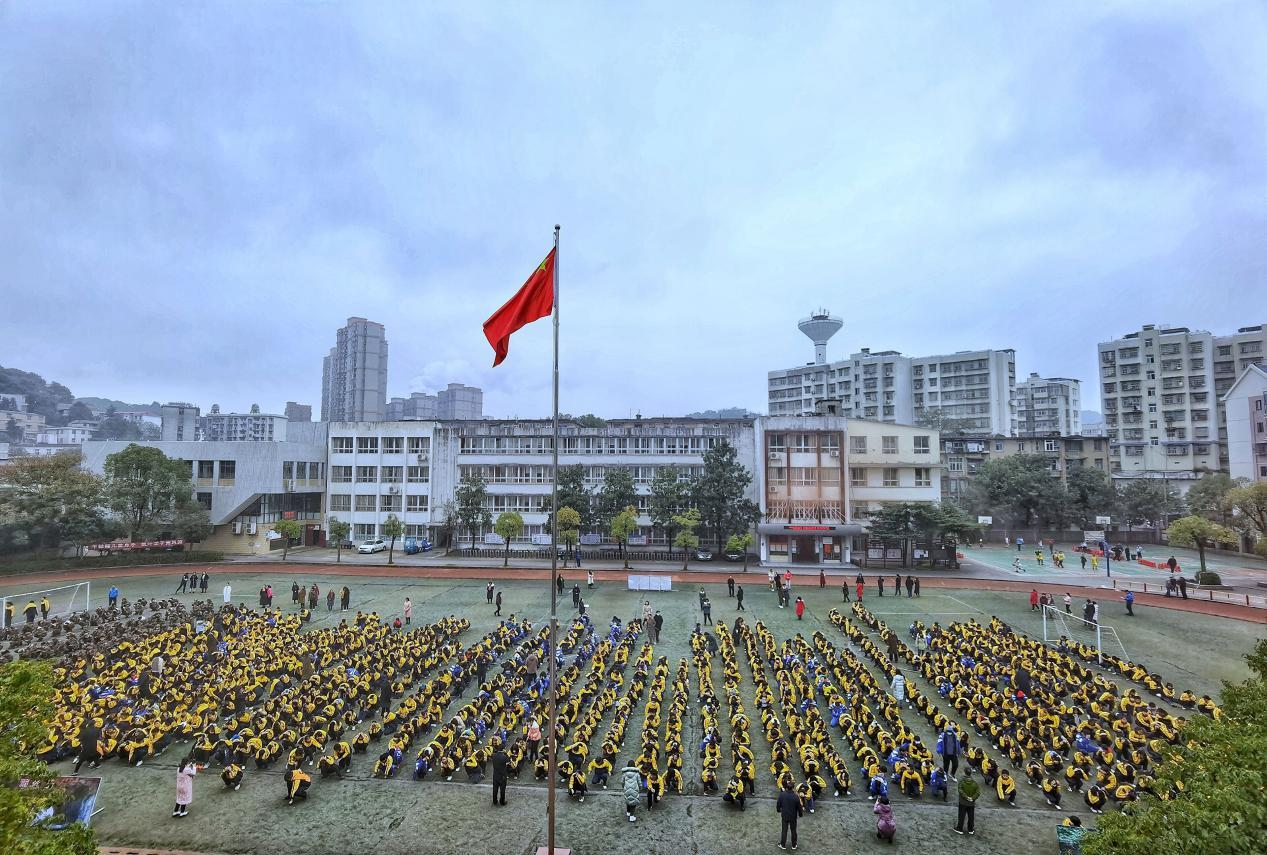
<point x="80" y="803"/>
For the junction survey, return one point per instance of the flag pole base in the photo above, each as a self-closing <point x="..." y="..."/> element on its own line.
<point x="542" y="850"/>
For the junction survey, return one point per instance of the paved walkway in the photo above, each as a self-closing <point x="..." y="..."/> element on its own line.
<point x="930" y="579"/>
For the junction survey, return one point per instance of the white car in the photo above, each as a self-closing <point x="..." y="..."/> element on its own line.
<point x="369" y="547"/>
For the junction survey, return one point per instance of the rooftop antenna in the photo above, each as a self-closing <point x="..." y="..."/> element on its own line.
<point x="819" y="327"/>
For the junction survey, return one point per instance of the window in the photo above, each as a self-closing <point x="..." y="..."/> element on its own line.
<point x="416" y="531"/>
<point x="364" y="531"/>
<point x="392" y="474"/>
<point x="390" y="502"/>
<point x="829" y="442"/>
<point x="419" y="444"/>
<point x="857" y="445"/>
<point x="829" y="476"/>
<point x="206" y="469"/>
<point x="340" y="503"/>
<point x="857" y="476"/>
<point x="367" y="445"/>
<point x="804" y="476"/>
<point x="367" y="503"/>
<point x="366" y="474"/>
<point x="890" y="476"/>
<point x="204" y="499"/>
<point x="921" y="445"/>
<point x="288" y="470"/>
<point x="393" y="444"/>
<point x="228" y="470"/>
<point x="955" y="464"/>
<point x="1051" y="445"/>
<point x="341" y="445"/>
<point x="776" y="442"/>
<point x="777" y="476"/>
<point x="340" y="474"/>
<point x="419" y="474"/>
<point x="998" y="445"/>
<point x="923" y="477"/>
<point x="417" y="503"/>
<point x="889" y="444"/>
<point x="803" y="442"/>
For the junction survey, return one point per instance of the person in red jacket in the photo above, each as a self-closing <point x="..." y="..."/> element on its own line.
<point x="1033" y="600"/>
<point x="800" y="608"/>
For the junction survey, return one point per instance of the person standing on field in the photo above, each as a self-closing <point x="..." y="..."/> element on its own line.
<point x="228" y="595"/>
<point x="409" y="611"/>
<point x="790" y="809"/>
<point x="969" y="792"/>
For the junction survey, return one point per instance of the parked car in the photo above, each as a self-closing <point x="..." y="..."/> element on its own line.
<point x="702" y="554"/>
<point x="414" y="545"/>
<point x="733" y="555"/>
<point x="369" y="547"/>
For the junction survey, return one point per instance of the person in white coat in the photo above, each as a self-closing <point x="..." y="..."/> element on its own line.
<point x="897" y="688"/>
<point x="228" y="593"/>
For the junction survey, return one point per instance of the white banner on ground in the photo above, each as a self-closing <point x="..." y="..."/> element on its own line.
<point x="650" y="583"/>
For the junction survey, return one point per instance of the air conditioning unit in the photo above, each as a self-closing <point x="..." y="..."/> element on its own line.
<point x="834" y="453"/>
<point x="423" y="457"/>
<point x="393" y="489"/>
<point x="290" y="486"/>
<point x="776" y="455"/>
<point x="251" y="528"/>
<point x="237" y="528"/>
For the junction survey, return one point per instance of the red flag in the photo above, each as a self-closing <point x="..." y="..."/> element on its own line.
<point x="533" y="301"/>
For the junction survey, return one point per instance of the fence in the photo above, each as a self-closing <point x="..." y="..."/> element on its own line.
<point x="587" y="554"/>
<point x="1195" y="592"/>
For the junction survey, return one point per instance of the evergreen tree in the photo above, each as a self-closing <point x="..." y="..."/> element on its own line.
<point x="720" y="494"/>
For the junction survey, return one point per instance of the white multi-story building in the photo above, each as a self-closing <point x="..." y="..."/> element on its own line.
<point x="810" y="512"/>
<point x="381" y="469"/>
<point x="1051" y="405"/>
<point x="243" y="427"/>
<point x="456" y="402"/>
<point x="1161" y="389"/>
<point x="180" y="422"/>
<point x="246" y="487"/>
<point x="354" y="374"/>
<point x="68" y="435"/>
<point x="1245" y="404"/>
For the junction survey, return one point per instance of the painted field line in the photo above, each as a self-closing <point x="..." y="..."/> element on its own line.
<point x="962" y="603"/>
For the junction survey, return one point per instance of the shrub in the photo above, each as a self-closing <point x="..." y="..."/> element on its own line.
<point x="1209" y="577"/>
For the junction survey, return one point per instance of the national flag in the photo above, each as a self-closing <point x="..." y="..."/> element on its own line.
<point x="533" y="301"/>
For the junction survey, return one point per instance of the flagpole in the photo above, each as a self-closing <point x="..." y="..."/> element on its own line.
<point x="554" y="564"/>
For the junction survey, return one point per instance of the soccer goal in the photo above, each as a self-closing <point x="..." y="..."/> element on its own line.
<point x="62" y="601"/>
<point x="1057" y="622"/>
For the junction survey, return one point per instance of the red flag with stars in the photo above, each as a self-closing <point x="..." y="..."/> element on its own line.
<point x="535" y="300"/>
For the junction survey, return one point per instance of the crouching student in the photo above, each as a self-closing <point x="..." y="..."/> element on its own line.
<point x="885" y="824"/>
<point x="1005" y="786"/>
<point x="708" y="777"/>
<point x="297" y="784"/>
<point x="1051" y="791"/>
<point x="735" y="793"/>
<point x="879" y="784"/>
<point x="232" y="776"/>
<point x="937" y="784"/>
<point x="1096" y="798"/>
<point x="576" y="784"/>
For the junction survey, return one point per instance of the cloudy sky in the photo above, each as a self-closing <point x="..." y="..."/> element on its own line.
<point x="194" y="196"/>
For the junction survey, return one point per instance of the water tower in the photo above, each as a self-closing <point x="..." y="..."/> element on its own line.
<point x="819" y="327"/>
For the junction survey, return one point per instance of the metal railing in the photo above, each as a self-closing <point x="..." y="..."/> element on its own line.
<point x="1195" y="592"/>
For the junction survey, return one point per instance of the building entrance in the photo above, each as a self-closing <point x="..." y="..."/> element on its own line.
<point x="804" y="550"/>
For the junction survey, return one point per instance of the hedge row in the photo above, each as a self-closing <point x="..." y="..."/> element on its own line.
<point x="122" y="559"/>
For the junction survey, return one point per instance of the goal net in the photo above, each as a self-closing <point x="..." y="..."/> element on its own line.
<point x="1058" y="622"/>
<point x="62" y="601"/>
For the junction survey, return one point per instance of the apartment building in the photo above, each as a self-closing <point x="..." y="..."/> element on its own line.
<point x="455" y="402"/>
<point x="1048" y="405"/>
<point x="354" y="374"/>
<point x="976" y="389"/>
<point x="1161" y="390"/>
<point x="1245" y="404"/>
<point x="243" y="427"/>
<point x="381" y="469"/>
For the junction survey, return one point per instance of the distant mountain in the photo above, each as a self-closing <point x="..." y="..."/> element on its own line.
<point x="103" y="404"/>
<point x="1091" y="417"/>
<point x="723" y="413"/>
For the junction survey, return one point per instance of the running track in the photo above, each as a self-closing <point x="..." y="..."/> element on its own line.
<point x="519" y="574"/>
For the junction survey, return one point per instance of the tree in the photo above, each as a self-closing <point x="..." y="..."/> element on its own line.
<point x="145" y="488"/>
<point x="26" y="707"/>
<point x="51" y="500"/>
<point x="1249" y="508"/>
<point x="686" y="523"/>
<point x="720" y="493"/>
<point x="339" y="531"/>
<point x="589" y="420"/>
<point x="569" y="531"/>
<point x="740" y="543"/>
<point x="1146" y="502"/>
<point x="905" y="522"/>
<point x="470" y="496"/>
<point x="1212" y="783"/>
<point x="79" y="412"/>
<point x="508" y="526"/>
<point x="1208" y="498"/>
<point x="1020" y="487"/>
<point x="448" y="514"/>
<point x="1199" y="532"/>
<point x="1091" y="494"/>
<point x="191" y="522"/>
<point x="573" y="493"/>
<point x="392" y="528"/>
<point x="669" y="497"/>
<point x="618" y="492"/>
<point x="935" y="418"/>
<point x="624" y="524"/>
<point x="289" y="530"/>
<point x="117" y="428"/>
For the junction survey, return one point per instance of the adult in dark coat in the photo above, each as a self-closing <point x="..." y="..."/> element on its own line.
<point x="789" y="808"/>
<point x="501" y="763"/>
